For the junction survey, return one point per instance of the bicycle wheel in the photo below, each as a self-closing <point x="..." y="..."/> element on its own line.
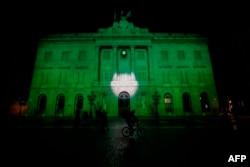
<point x="141" y="132"/>
<point x="125" y="131"/>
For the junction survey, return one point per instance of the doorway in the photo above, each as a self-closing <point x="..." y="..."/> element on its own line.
<point x="123" y="104"/>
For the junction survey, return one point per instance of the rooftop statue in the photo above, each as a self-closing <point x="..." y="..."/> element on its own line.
<point x="123" y="26"/>
<point x="125" y="17"/>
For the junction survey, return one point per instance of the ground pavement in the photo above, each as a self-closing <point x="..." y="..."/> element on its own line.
<point x="169" y="142"/>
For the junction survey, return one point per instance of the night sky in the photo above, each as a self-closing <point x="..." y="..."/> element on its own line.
<point x="225" y="25"/>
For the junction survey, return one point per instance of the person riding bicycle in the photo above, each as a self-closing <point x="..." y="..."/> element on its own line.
<point x="131" y="119"/>
<point x="133" y="125"/>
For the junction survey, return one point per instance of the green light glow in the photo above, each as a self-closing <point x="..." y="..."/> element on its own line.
<point x="123" y="65"/>
<point x="124" y="82"/>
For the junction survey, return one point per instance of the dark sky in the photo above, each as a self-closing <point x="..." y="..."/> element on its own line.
<point x="224" y="24"/>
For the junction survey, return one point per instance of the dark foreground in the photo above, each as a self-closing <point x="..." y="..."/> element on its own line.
<point x="165" y="145"/>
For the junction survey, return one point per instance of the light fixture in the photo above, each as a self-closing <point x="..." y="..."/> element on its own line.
<point x="123" y="53"/>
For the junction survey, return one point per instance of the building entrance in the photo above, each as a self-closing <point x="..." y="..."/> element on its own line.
<point x="123" y="103"/>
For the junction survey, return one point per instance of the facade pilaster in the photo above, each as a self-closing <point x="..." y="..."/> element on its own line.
<point x="132" y="59"/>
<point x="150" y="69"/>
<point x="115" y="61"/>
<point x="98" y="63"/>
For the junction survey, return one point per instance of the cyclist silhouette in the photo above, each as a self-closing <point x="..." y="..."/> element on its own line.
<point x="131" y="119"/>
<point x="133" y="126"/>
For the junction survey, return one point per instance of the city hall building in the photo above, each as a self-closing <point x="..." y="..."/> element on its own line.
<point x="120" y="68"/>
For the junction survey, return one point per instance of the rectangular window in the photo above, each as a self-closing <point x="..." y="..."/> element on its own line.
<point x="48" y="56"/>
<point x="142" y="76"/>
<point x="140" y="55"/>
<point x="106" y="55"/>
<point x="164" y="55"/>
<point x="197" y="55"/>
<point x="65" y="55"/>
<point x="106" y="76"/>
<point x="181" y="55"/>
<point x="82" y="56"/>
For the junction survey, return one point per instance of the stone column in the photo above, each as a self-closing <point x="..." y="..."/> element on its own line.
<point x="115" y="61"/>
<point x="132" y="59"/>
<point x="98" y="63"/>
<point x="149" y="54"/>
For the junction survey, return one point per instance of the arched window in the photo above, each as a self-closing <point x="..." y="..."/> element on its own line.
<point x="60" y="102"/>
<point x="41" y="107"/>
<point x="204" y="101"/>
<point x="78" y="105"/>
<point x="186" y="99"/>
<point x="104" y="101"/>
<point x="168" y="101"/>
<point x="143" y="100"/>
<point x="79" y="102"/>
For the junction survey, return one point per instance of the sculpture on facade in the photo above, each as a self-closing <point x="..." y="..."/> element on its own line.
<point x="123" y="26"/>
<point x="125" y="16"/>
<point x="122" y="16"/>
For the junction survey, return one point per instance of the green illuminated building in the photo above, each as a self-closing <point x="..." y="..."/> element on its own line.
<point x="123" y="67"/>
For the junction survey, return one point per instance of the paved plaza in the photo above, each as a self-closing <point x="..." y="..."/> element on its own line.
<point x="169" y="142"/>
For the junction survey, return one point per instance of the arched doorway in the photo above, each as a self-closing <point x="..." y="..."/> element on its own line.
<point x="78" y="105"/>
<point x="123" y="103"/>
<point x="168" y="101"/>
<point x="42" y="100"/>
<point x="204" y="101"/>
<point x="60" y="102"/>
<point x="186" y="99"/>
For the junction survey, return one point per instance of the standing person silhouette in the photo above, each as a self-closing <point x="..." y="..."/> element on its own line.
<point x="104" y="121"/>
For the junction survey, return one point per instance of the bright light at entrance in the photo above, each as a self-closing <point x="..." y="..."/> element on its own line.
<point x="124" y="82"/>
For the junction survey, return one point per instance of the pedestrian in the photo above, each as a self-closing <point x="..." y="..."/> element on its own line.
<point x="104" y="120"/>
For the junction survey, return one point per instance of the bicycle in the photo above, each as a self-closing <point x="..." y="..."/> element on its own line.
<point x="140" y="131"/>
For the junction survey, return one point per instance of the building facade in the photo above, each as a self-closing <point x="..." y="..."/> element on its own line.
<point x="120" y="68"/>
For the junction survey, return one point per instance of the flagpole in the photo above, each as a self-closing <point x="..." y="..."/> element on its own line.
<point x="115" y="17"/>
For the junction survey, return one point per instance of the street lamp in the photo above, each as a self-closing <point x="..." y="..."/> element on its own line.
<point x="156" y="98"/>
<point x="91" y="98"/>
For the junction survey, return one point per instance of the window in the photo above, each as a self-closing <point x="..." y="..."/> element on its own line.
<point x="143" y="101"/>
<point x="142" y="76"/>
<point x="197" y="55"/>
<point x="181" y="55"/>
<point x="42" y="100"/>
<point x="60" y="102"/>
<point x="48" y="56"/>
<point x="104" y="100"/>
<point x="140" y="55"/>
<point x="106" y="76"/>
<point x="168" y="101"/>
<point x="164" y="56"/>
<point x="186" y="99"/>
<point x="65" y="55"/>
<point x="44" y="77"/>
<point x="79" y="102"/>
<point x="106" y="55"/>
<point x="204" y="101"/>
<point x="82" y="56"/>
<point x="184" y="77"/>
